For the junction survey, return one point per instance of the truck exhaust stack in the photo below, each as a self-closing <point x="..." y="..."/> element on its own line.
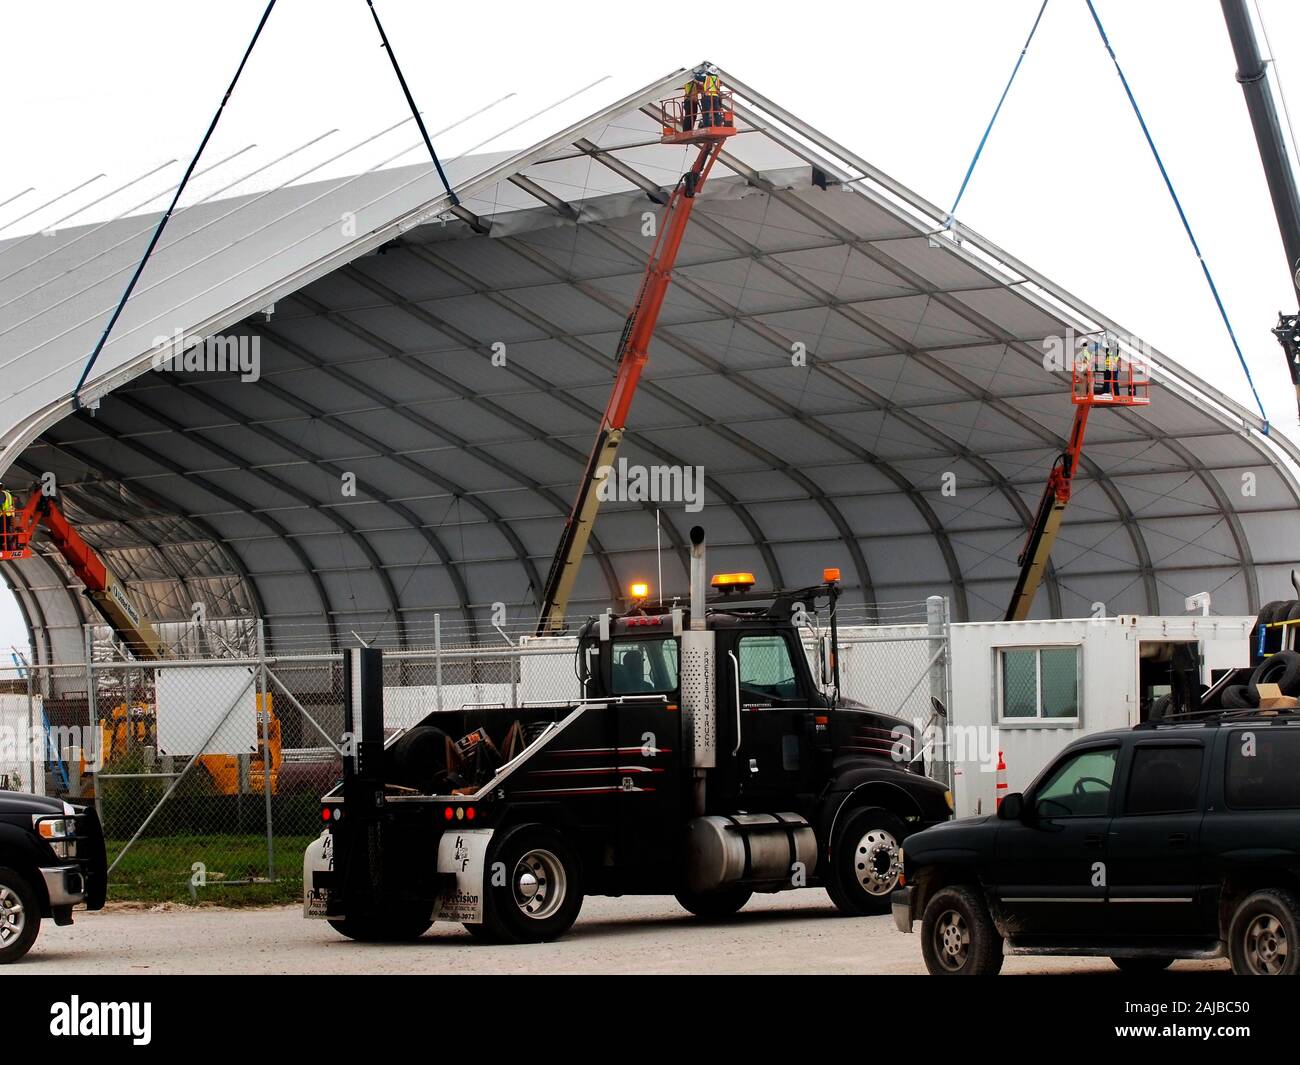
<point x="699" y="577"/>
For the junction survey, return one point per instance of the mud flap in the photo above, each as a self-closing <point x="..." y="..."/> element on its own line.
<point x="319" y="857"/>
<point x="463" y="855"/>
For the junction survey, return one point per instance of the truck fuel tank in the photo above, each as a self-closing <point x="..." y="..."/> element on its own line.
<point x="769" y="852"/>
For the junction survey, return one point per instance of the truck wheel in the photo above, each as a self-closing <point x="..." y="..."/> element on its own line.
<point x="418" y="758"/>
<point x="399" y="927"/>
<point x="1281" y="668"/>
<point x="957" y="935"/>
<point x="1264" y="937"/>
<point x="1238" y="697"/>
<point x="542" y="890"/>
<point x="1144" y="965"/>
<point x="714" y="904"/>
<point x="864" y="862"/>
<point x="20" y="915"/>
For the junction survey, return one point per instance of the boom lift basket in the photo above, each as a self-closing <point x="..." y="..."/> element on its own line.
<point x="692" y="119"/>
<point x="1128" y="384"/>
<point x="16" y="535"/>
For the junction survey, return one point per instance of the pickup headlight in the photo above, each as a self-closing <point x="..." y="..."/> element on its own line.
<point x="58" y="832"/>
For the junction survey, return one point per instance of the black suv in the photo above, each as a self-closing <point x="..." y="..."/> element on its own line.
<point x="51" y="859"/>
<point x="1174" y="840"/>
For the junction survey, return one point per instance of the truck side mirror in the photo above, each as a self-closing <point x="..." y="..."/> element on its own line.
<point x="825" y="666"/>
<point x="1012" y="807"/>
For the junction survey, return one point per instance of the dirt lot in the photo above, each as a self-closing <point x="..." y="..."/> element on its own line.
<point x="798" y="932"/>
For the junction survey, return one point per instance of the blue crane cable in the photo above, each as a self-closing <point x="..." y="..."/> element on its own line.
<point x="1205" y="268"/>
<point x="996" y="111"/>
<point x="162" y="222"/>
<point x="410" y="100"/>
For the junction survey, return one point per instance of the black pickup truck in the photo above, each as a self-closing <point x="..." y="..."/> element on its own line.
<point x="51" y="859"/>
<point x="1172" y="840"/>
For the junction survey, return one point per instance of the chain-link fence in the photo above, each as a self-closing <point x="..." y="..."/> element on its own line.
<point x="206" y="767"/>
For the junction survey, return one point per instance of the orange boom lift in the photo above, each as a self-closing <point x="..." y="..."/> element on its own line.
<point x="109" y="594"/>
<point x="679" y="118"/>
<point x="1127" y="385"/>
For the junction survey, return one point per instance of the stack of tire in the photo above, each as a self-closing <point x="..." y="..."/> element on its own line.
<point x="1275" y="666"/>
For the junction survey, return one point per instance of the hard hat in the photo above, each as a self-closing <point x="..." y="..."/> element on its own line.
<point x="711" y="69"/>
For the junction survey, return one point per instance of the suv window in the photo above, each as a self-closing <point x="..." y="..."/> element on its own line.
<point x="1079" y="786"/>
<point x="642" y="667"/>
<point x="766" y="668"/>
<point x="1261" y="770"/>
<point x="1164" y="780"/>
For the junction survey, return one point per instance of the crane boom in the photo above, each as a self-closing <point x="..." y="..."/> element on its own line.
<point x="1252" y="74"/>
<point x="633" y="349"/>
<point x="104" y="588"/>
<point x="1047" y="521"/>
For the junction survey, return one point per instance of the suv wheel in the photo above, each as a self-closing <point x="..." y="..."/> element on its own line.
<point x="957" y="935"/>
<point x="20" y="915"/>
<point x="1264" y="937"/>
<point x="865" y="862"/>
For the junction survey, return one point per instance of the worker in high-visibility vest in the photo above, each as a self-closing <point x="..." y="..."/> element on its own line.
<point x="1110" y="361"/>
<point x="6" y="519"/>
<point x="711" y="99"/>
<point x="691" y="99"/>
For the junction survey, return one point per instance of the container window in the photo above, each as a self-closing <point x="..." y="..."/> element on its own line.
<point x="1039" y="683"/>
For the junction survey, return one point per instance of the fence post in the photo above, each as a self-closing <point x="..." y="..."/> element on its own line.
<point x="437" y="657"/>
<point x="936" y="621"/>
<point x="516" y="667"/>
<point x="264" y="719"/>
<point x="92" y="711"/>
<point x="32" y="745"/>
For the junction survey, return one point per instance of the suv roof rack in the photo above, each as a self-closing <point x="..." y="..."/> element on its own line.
<point x="1285" y="715"/>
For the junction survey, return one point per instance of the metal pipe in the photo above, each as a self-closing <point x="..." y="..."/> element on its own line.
<point x="698" y="577"/>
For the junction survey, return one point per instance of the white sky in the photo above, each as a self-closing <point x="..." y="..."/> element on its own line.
<point x="1066" y="183"/>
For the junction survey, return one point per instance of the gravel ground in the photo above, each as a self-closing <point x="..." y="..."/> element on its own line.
<point x="795" y="932"/>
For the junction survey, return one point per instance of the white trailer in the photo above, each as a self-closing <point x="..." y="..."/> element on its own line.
<point x="1027" y="688"/>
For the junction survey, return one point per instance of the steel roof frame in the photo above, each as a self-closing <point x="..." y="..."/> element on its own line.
<point x="841" y="166"/>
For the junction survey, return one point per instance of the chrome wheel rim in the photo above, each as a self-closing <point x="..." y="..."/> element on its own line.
<point x="1267" y="948"/>
<point x="539" y="884"/>
<point x="875" y="862"/>
<point x="13" y="917"/>
<point x="951" y="940"/>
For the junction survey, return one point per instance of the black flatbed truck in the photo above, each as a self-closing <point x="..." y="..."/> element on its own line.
<point x="705" y="761"/>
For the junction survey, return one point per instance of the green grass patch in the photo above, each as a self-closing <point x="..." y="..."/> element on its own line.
<point x="160" y="869"/>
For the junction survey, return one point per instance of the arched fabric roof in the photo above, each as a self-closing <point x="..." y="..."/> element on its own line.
<point x="909" y="450"/>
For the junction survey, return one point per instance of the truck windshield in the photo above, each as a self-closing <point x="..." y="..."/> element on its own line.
<point x="643" y="667"/>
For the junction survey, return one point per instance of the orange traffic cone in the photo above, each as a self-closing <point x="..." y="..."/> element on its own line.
<point x="1000" y="781"/>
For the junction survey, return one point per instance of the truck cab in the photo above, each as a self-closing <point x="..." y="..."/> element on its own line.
<point x="710" y="757"/>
